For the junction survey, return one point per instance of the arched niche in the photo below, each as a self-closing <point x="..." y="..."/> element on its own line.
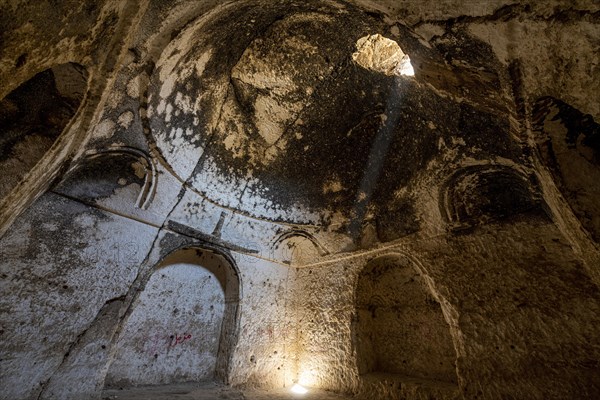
<point x="298" y="247"/>
<point x="480" y="194"/>
<point x="400" y="327"/>
<point x="183" y="326"/>
<point x="33" y="116"/>
<point x="126" y="173"/>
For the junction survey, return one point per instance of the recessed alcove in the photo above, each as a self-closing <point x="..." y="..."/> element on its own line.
<point x="127" y="174"/>
<point x="478" y="194"/>
<point x="400" y="330"/>
<point x="182" y="326"/>
<point x="33" y="116"/>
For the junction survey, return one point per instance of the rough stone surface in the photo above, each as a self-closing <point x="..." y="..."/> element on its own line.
<point x="210" y="391"/>
<point x="570" y="145"/>
<point x="501" y="307"/>
<point x="394" y="313"/>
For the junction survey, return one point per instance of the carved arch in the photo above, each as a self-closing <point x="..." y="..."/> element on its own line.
<point x="146" y="170"/>
<point x="481" y="193"/>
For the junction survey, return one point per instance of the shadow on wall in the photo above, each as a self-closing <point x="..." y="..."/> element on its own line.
<point x="183" y="326"/>
<point x="400" y="328"/>
<point x="569" y="145"/>
<point x="33" y="116"/>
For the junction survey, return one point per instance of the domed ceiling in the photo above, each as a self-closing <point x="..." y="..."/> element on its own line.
<point x="264" y="110"/>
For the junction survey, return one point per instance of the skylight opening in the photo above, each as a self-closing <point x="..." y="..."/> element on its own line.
<point x="383" y="55"/>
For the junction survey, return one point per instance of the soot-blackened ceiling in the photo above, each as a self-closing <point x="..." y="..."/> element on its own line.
<point x="264" y="110"/>
<point x="261" y="113"/>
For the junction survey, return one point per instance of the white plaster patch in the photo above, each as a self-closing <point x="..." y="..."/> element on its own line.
<point x="202" y="61"/>
<point x="184" y="103"/>
<point x="178" y="151"/>
<point x="332" y="186"/>
<point x="84" y="221"/>
<point x="160" y="109"/>
<point x="167" y="86"/>
<point x="168" y="111"/>
<point x="125" y="119"/>
<point x="105" y="129"/>
<point x="176" y="138"/>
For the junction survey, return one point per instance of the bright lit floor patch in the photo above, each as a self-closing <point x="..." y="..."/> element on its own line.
<point x="299" y="389"/>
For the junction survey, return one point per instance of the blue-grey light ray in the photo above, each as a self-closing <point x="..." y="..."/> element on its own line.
<point x="376" y="160"/>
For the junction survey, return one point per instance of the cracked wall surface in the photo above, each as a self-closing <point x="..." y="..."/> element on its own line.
<point x="254" y="133"/>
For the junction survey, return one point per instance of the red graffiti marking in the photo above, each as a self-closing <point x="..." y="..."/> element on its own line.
<point x="179" y="339"/>
<point x="158" y="343"/>
<point x="274" y="332"/>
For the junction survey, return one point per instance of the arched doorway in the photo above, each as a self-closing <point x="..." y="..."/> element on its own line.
<point x="183" y="324"/>
<point x="400" y="326"/>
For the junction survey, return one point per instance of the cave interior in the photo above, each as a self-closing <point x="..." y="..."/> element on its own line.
<point x="327" y="199"/>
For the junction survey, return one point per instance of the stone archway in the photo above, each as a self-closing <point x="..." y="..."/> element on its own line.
<point x="183" y="325"/>
<point x="400" y="327"/>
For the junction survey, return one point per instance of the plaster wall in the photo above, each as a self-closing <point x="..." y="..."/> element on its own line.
<point x="55" y="282"/>
<point x="66" y="296"/>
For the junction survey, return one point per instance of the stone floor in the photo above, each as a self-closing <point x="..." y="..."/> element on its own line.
<point x="211" y="391"/>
